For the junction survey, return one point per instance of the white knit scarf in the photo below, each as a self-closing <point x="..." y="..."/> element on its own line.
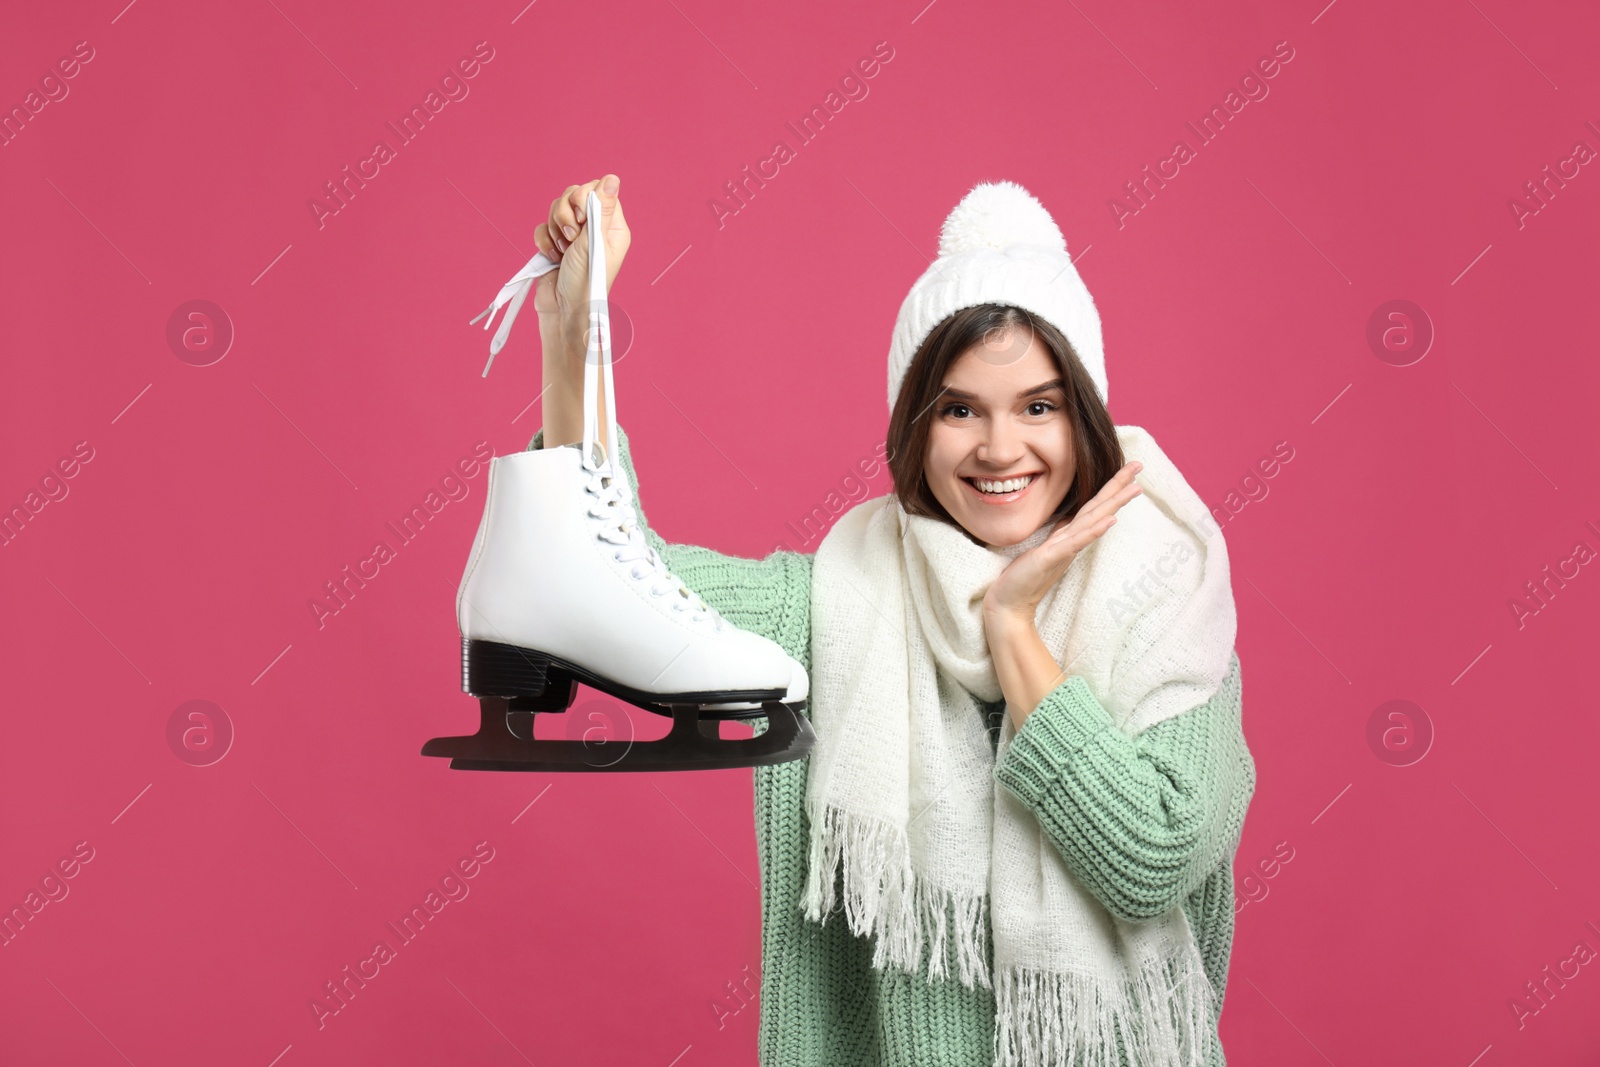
<point x="902" y="784"/>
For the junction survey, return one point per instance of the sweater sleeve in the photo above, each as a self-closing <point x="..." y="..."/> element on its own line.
<point x="1140" y="821"/>
<point x="769" y="596"/>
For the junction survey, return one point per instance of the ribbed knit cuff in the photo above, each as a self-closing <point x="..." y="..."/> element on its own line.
<point x="1066" y="720"/>
<point x="538" y="442"/>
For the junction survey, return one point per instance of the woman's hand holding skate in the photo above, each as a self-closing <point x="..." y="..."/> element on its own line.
<point x="564" y="293"/>
<point x="562" y="297"/>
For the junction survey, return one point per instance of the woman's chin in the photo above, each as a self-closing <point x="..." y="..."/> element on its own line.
<point x="1000" y="531"/>
<point x="1001" y="522"/>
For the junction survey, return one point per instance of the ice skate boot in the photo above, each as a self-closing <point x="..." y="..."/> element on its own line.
<point x="562" y="587"/>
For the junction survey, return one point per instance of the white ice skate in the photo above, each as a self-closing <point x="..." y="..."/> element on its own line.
<point x="561" y="587"/>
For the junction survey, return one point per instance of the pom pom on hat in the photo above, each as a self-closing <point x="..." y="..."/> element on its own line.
<point x="997" y="215"/>
<point x="1000" y="246"/>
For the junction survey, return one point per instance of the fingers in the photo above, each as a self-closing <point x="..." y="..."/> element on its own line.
<point x="578" y="199"/>
<point x="563" y="219"/>
<point x="1119" y="482"/>
<point x="1098" y="515"/>
<point x="541" y="238"/>
<point x="608" y="189"/>
<point x="1077" y="534"/>
<point x="1128" y="490"/>
<point x="569" y="213"/>
<point x="1092" y="520"/>
<point x="561" y="239"/>
<point x="1114" y="494"/>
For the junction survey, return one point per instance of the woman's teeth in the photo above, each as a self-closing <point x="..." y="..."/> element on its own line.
<point x="1009" y="485"/>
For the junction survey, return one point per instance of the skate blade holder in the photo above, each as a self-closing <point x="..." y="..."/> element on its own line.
<point x="513" y="685"/>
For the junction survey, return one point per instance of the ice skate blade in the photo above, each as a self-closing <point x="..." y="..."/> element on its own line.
<point x="505" y="744"/>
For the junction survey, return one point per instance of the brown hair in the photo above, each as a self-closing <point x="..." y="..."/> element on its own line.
<point x="1095" y="449"/>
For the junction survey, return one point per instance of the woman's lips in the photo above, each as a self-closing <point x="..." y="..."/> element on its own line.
<point x="1000" y="498"/>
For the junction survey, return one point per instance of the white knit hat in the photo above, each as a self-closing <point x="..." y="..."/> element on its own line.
<point x="1000" y="246"/>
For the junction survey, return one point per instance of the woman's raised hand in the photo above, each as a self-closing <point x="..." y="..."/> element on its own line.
<point x="1014" y="597"/>
<point x="564" y="292"/>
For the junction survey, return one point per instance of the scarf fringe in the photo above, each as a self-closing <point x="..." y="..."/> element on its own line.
<point x="1163" y="1014"/>
<point x="883" y="897"/>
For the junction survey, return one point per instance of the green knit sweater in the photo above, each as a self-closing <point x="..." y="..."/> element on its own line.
<point x="1132" y="817"/>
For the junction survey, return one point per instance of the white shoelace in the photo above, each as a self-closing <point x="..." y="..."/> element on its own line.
<point x="513" y="292"/>
<point x="615" y="508"/>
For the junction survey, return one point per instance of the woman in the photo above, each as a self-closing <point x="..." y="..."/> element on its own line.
<point x="1030" y="775"/>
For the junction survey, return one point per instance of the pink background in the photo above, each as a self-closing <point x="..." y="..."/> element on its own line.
<point x="618" y="917"/>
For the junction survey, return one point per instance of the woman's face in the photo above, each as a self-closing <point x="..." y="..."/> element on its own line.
<point x="1000" y="444"/>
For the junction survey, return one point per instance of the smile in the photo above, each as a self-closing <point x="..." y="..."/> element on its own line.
<point x="1001" y="490"/>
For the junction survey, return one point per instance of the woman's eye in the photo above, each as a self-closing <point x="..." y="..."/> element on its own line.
<point x="960" y="411"/>
<point x="1040" y="407"/>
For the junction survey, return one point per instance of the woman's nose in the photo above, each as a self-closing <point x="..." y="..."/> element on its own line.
<point x="1001" y="445"/>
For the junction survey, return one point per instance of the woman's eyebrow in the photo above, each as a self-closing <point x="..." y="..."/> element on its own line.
<point x="1044" y="387"/>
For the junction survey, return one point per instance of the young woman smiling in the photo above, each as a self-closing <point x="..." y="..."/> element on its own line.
<point x="1027" y="785"/>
